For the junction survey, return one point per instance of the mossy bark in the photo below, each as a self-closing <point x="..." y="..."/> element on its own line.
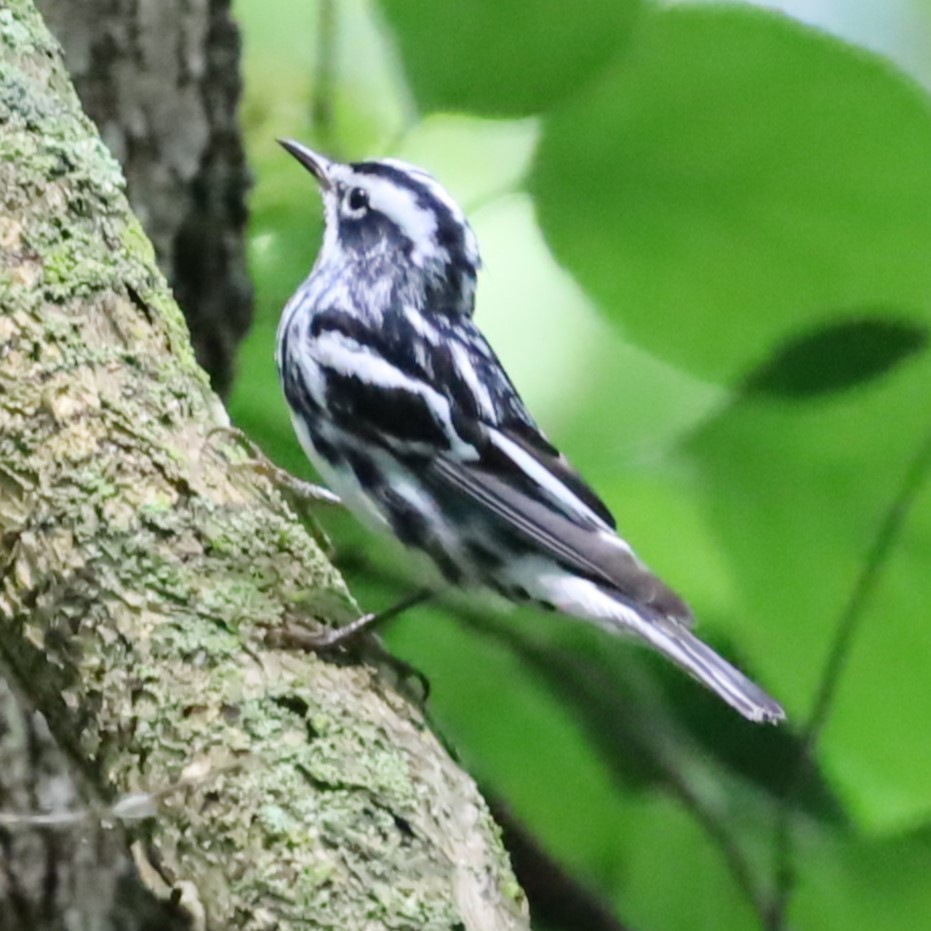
<point x="142" y="576"/>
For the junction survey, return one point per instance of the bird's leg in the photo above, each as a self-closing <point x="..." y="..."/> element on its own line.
<point x="258" y="462"/>
<point x="304" y="491"/>
<point x="341" y="636"/>
<point x="403" y="670"/>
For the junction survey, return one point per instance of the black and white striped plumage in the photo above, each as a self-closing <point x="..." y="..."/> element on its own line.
<point x="407" y="413"/>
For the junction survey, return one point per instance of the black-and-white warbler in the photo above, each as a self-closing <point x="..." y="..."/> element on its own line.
<point x="408" y="415"/>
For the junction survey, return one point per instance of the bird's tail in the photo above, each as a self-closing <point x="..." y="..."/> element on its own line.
<point x="651" y="622"/>
<point x="680" y="645"/>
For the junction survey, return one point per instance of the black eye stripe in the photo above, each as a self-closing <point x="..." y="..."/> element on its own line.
<point x="449" y="225"/>
<point x="402" y="179"/>
<point x="357" y="199"/>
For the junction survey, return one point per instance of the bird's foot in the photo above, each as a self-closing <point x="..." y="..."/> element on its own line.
<point x="259" y="463"/>
<point x="296" y="636"/>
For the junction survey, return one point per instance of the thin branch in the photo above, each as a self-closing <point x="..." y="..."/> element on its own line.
<point x="675" y="782"/>
<point x="726" y="842"/>
<point x="673" y="779"/>
<point x="558" y="898"/>
<point x="130" y="807"/>
<point x="324" y="75"/>
<point x="848" y="626"/>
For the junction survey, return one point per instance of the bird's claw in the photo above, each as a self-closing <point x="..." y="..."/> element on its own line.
<point x="259" y="463"/>
<point x="297" y="636"/>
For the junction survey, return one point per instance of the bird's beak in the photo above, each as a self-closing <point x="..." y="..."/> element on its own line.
<point x="316" y="164"/>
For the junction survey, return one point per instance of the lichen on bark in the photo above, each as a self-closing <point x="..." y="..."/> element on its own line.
<point x="141" y="575"/>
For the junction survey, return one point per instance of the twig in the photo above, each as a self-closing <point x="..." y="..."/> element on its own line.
<point x="847" y="627"/>
<point x="324" y="76"/>
<point x="673" y="779"/>
<point x="559" y="900"/>
<point x="675" y="782"/>
<point x="133" y="806"/>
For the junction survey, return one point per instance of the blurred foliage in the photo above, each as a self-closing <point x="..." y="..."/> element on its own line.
<point x="707" y="238"/>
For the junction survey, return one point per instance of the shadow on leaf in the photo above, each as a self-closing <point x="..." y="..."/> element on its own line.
<point x="837" y="357"/>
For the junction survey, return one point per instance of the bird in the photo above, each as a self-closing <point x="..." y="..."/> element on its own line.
<point x="409" y="416"/>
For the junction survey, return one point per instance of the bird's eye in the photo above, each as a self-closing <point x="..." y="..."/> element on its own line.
<point x="357" y="200"/>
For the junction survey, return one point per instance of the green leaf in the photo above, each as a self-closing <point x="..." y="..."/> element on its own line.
<point x="797" y="495"/>
<point x="851" y="882"/>
<point x="477" y="160"/>
<point x="871" y="742"/>
<point x="505" y="59"/>
<point x="737" y="179"/>
<point x="671" y="876"/>
<point x="653" y="726"/>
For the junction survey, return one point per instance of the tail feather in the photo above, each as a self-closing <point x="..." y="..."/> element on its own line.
<point x="698" y="659"/>
<point x="582" y="598"/>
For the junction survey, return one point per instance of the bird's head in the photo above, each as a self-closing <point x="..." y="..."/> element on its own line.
<point x="390" y="219"/>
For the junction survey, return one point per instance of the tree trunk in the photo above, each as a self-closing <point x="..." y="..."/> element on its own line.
<point x="161" y="81"/>
<point x="61" y="877"/>
<point x="142" y="575"/>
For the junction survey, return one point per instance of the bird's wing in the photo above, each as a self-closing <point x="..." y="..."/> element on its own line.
<point x="527" y="439"/>
<point x="489" y="414"/>
<point x="454" y="419"/>
<point x="523" y="482"/>
<point x="509" y="490"/>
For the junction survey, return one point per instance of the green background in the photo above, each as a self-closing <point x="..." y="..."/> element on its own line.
<point x="707" y="240"/>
